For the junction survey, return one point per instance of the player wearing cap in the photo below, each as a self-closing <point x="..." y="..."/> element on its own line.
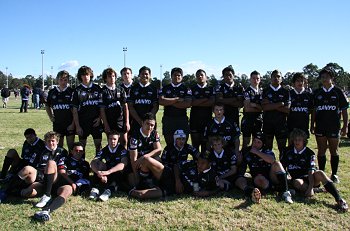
<point x="299" y="161"/>
<point x="264" y="169"/>
<point x="330" y="105"/>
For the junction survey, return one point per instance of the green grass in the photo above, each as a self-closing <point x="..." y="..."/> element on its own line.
<point x="226" y="211"/>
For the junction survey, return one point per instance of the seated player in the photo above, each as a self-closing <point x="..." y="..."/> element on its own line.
<point x="32" y="146"/>
<point x="176" y="153"/>
<point x="224" y="162"/>
<point x="108" y="167"/>
<point x="299" y="161"/>
<point x="264" y="168"/>
<point x="72" y="174"/>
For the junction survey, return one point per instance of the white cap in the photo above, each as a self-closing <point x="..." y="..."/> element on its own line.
<point x="179" y="134"/>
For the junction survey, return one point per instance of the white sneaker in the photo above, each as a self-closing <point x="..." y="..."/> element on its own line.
<point x="43" y="201"/>
<point x="287" y="197"/>
<point x="105" y="195"/>
<point x="94" y="194"/>
<point x="42" y="215"/>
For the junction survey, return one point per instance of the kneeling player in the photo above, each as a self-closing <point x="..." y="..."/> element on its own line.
<point x="108" y="167"/>
<point x="299" y="161"/>
<point x="264" y="168"/>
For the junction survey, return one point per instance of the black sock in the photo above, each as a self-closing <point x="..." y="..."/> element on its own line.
<point x="334" y="164"/>
<point x="330" y="187"/>
<point x="282" y="180"/>
<point x="56" y="203"/>
<point x="5" y="167"/>
<point x="248" y="191"/>
<point x="322" y="162"/>
<point x="48" y="178"/>
<point x="16" y="183"/>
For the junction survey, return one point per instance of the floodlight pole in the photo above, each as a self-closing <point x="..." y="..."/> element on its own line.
<point x="42" y="67"/>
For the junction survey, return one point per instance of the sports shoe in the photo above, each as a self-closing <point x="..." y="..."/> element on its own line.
<point x="292" y="192"/>
<point x="335" y="179"/>
<point x="43" y="201"/>
<point x="105" y="195"/>
<point x="42" y="215"/>
<point x="94" y="194"/>
<point x="342" y="205"/>
<point x="256" y="195"/>
<point x="287" y="197"/>
<point x="3" y="196"/>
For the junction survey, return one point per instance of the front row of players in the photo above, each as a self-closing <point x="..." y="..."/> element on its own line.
<point x="144" y="175"/>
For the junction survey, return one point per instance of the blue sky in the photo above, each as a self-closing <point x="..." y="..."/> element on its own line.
<point x="250" y="35"/>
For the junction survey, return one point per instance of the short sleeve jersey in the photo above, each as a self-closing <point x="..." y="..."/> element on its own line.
<point x="142" y="143"/>
<point x="298" y="164"/>
<point x="75" y="169"/>
<point x="88" y="101"/>
<point x="172" y="91"/>
<point x="172" y="155"/>
<point x="275" y="96"/>
<point x="230" y="92"/>
<point x="30" y="152"/>
<point x="110" y="156"/>
<point x="226" y="129"/>
<point x="61" y="104"/>
<point x="328" y="105"/>
<point x="113" y="100"/>
<point x="201" y="92"/>
<point x="127" y="89"/>
<point x="256" y="164"/>
<point x="300" y="109"/>
<point x="47" y="155"/>
<point x="253" y="95"/>
<point x="222" y="162"/>
<point x="143" y="98"/>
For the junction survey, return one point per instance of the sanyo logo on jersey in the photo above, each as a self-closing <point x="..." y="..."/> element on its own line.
<point x="326" y="108"/>
<point x="227" y="138"/>
<point x="114" y="104"/>
<point x="143" y="101"/>
<point x="61" y="107"/>
<point x="90" y="102"/>
<point x="299" y="109"/>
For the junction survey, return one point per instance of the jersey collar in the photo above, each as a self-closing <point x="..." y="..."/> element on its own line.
<point x="144" y="85"/>
<point x="219" y="155"/>
<point x="300" y="152"/>
<point x="230" y="85"/>
<point x="145" y="136"/>
<point x="178" y="85"/>
<point x="113" y="150"/>
<point x="59" y="90"/>
<point x="275" y="88"/>
<point x="256" y="90"/>
<point x="329" y="89"/>
<point x="127" y="85"/>
<point x="90" y="85"/>
<point x="207" y="170"/>
<point x="111" y="88"/>
<point x="299" y="93"/>
<point x="205" y="84"/>
<point x="217" y="122"/>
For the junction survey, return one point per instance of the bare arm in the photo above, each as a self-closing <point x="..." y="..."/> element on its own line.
<point x="267" y="158"/>
<point x="50" y="113"/>
<point x="133" y="113"/>
<point x="104" y="119"/>
<point x="344" y="129"/>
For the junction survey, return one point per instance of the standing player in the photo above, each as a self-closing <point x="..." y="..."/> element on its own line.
<point x="126" y="84"/>
<point x="175" y="98"/>
<point x="299" y="161"/>
<point x="59" y="109"/>
<point x="275" y="104"/>
<point x="109" y="168"/>
<point x="143" y="98"/>
<point x="114" y="109"/>
<point x="86" y="108"/>
<point x="252" y="112"/>
<point x="330" y="105"/>
<point x="202" y="102"/>
<point x="301" y="105"/>
<point x="230" y="94"/>
<point x="5" y="94"/>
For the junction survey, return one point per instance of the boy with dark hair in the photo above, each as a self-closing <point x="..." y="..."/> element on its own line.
<point x="127" y="81"/>
<point x="59" y="109"/>
<point x="5" y="94"/>
<point x="109" y="168"/>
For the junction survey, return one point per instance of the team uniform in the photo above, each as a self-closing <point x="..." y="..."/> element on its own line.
<point x="60" y="102"/>
<point x="172" y="155"/>
<point x="328" y="106"/>
<point x="143" y="99"/>
<point x="231" y="91"/>
<point x="300" y="109"/>
<point x="252" y="121"/>
<point x="127" y="89"/>
<point x="30" y="153"/>
<point x="256" y="164"/>
<point x="143" y="144"/>
<point x="175" y="118"/>
<point x="189" y="176"/>
<point x="200" y="116"/>
<point x="275" y="122"/>
<point x="88" y="100"/>
<point x="222" y="163"/>
<point x="226" y="129"/>
<point x="114" y="102"/>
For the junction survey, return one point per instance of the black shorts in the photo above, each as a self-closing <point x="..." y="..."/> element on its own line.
<point x="61" y="128"/>
<point x="89" y="129"/>
<point x="276" y="128"/>
<point x="119" y="127"/>
<point x="171" y="124"/>
<point x="198" y="124"/>
<point x="39" y="176"/>
<point x="251" y="124"/>
<point x="167" y="181"/>
<point x="329" y="133"/>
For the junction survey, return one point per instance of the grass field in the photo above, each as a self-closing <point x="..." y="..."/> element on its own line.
<point x="225" y="211"/>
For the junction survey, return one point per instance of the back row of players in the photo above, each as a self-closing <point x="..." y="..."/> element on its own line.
<point x="154" y="177"/>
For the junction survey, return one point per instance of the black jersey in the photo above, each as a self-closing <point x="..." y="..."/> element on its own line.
<point x="142" y="143"/>
<point x="189" y="175"/>
<point x="254" y="96"/>
<point x="46" y="155"/>
<point x="298" y="164"/>
<point x="300" y="109"/>
<point x="233" y="91"/>
<point x="172" y="155"/>
<point x="256" y="164"/>
<point x="88" y="101"/>
<point x="173" y="91"/>
<point x="61" y="104"/>
<point x="127" y="89"/>
<point x="112" y="157"/>
<point x="113" y="100"/>
<point x="75" y="169"/>
<point x="222" y="162"/>
<point x="328" y="105"/>
<point x="143" y="98"/>
<point x="201" y="92"/>
<point x="276" y="95"/>
<point x="30" y="152"/>
<point x="226" y="129"/>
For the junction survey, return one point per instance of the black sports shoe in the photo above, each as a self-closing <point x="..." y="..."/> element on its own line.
<point x="43" y="215"/>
